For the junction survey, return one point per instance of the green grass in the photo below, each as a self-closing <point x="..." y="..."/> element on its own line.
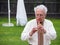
<point x="57" y="27"/>
<point x="11" y="35"/>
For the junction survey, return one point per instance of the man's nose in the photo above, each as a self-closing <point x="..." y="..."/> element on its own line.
<point x="39" y="17"/>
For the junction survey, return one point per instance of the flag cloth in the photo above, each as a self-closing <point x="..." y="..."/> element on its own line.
<point x="21" y="15"/>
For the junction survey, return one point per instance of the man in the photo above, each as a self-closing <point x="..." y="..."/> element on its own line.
<point x="30" y="32"/>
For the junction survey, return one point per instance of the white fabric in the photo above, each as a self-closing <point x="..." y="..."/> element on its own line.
<point x="21" y="13"/>
<point x="48" y="36"/>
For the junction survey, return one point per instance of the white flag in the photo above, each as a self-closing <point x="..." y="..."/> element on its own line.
<point x="21" y="15"/>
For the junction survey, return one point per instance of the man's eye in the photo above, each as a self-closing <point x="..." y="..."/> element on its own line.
<point x="37" y="14"/>
<point x="41" y="15"/>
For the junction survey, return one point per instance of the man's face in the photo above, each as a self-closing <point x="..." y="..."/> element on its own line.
<point x="40" y="15"/>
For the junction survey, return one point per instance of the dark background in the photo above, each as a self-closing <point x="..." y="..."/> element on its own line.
<point x="52" y="5"/>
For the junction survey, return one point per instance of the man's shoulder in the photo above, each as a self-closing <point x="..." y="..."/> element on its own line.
<point x="48" y="21"/>
<point x="31" y="21"/>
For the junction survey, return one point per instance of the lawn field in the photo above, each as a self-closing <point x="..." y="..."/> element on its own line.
<point x="11" y="35"/>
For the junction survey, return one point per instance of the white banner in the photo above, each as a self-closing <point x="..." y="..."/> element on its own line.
<point x="21" y="15"/>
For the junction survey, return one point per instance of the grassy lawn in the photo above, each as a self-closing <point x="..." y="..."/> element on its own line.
<point x="11" y="35"/>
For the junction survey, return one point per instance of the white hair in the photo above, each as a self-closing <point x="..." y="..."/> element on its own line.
<point x="42" y="7"/>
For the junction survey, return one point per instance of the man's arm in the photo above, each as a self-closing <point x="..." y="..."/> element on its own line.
<point x="25" y="34"/>
<point x="51" y="33"/>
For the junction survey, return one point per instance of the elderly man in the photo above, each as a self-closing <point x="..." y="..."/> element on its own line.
<point x="30" y="32"/>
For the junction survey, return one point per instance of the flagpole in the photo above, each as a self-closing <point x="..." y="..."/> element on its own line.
<point x="8" y="24"/>
<point x="9" y="12"/>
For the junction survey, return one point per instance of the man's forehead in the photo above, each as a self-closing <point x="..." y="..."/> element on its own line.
<point x="40" y="10"/>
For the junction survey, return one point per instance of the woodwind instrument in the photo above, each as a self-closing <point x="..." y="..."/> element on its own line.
<point x="40" y="36"/>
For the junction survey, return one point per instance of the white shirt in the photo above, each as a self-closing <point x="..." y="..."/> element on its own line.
<point x="48" y="36"/>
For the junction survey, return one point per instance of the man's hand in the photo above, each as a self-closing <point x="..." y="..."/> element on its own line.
<point x="33" y="31"/>
<point x="41" y="28"/>
<point x="38" y="28"/>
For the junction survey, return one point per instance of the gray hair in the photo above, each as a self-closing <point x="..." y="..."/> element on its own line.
<point x="42" y="7"/>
